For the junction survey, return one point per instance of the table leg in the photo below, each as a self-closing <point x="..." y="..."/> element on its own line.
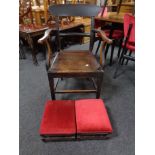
<point x="30" y="42"/>
<point x="21" y="51"/>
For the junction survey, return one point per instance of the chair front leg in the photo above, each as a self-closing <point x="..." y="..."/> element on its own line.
<point x="99" y="84"/>
<point x="51" y="84"/>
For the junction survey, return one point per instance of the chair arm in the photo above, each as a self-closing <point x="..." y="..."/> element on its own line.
<point x="103" y="36"/>
<point x="45" y="37"/>
<point x="45" y="40"/>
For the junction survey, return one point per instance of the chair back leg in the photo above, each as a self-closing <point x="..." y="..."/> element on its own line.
<point x="129" y="55"/>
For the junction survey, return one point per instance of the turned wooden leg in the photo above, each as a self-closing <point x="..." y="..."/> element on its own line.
<point x="30" y="42"/>
<point x="51" y="84"/>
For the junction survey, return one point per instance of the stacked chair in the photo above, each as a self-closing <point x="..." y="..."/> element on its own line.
<point x="128" y="45"/>
<point x="79" y="119"/>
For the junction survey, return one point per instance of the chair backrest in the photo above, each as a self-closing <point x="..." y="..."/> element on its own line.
<point x="129" y="20"/>
<point x="104" y="8"/>
<point x="25" y="10"/>
<point x="83" y="10"/>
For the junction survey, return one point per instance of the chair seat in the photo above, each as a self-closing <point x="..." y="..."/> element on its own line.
<point x="58" y="118"/>
<point x="117" y="34"/>
<point x="130" y="46"/>
<point x="74" y="62"/>
<point x="92" y="117"/>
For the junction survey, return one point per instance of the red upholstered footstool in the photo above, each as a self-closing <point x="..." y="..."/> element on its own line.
<point x="58" y="120"/>
<point x="92" y="120"/>
<point x="68" y="119"/>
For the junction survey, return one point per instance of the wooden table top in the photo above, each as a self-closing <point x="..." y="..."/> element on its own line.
<point x="33" y="28"/>
<point x="112" y="17"/>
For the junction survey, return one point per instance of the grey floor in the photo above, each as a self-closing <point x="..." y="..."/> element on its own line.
<point x="118" y="95"/>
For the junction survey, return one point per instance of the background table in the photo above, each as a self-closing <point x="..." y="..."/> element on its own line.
<point x="28" y="33"/>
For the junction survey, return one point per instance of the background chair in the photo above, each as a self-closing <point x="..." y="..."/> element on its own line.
<point x="74" y="64"/>
<point x="112" y="31"/>
<point x="25" y="12"/>
<point x="129" y="41"/>
<point x="116" y="35"/>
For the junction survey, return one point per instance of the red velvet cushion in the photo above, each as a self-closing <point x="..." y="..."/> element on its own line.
<point x="117" y="34"/>
<point x="58" y="118"/>
<point x="92" y="117"/>
<point x="129" y="19"/>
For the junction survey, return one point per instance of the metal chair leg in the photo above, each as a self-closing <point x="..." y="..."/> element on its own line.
<point x="98" y="47"/>
<point x="120" y="47"/>
<point x="129" y="55"/>
<point x="125" y="52"/>
<point x="112" y="52"/>
<point x="106" y="50"/>
<point x="119" y="63"/>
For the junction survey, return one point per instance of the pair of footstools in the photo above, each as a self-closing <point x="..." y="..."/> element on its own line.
<point x="71" y="120"/>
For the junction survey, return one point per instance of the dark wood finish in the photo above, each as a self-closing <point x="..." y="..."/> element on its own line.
<point x="51" y="84"/>
<point x="25" y="5"/>
<point x="119" y="5"/>
<point x="67" y="62"/>
<point x="21" y="51"/>
<point x="74" y="10"/>
<point x="74" y="64"/>
<point x="49" y="138"/>
<point x="94" y="136"/>
<point x="112" y="17"/>
<point x="28" y="33"/>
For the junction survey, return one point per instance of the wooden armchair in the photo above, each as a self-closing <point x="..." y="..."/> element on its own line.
<point x="74" y="64"/>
